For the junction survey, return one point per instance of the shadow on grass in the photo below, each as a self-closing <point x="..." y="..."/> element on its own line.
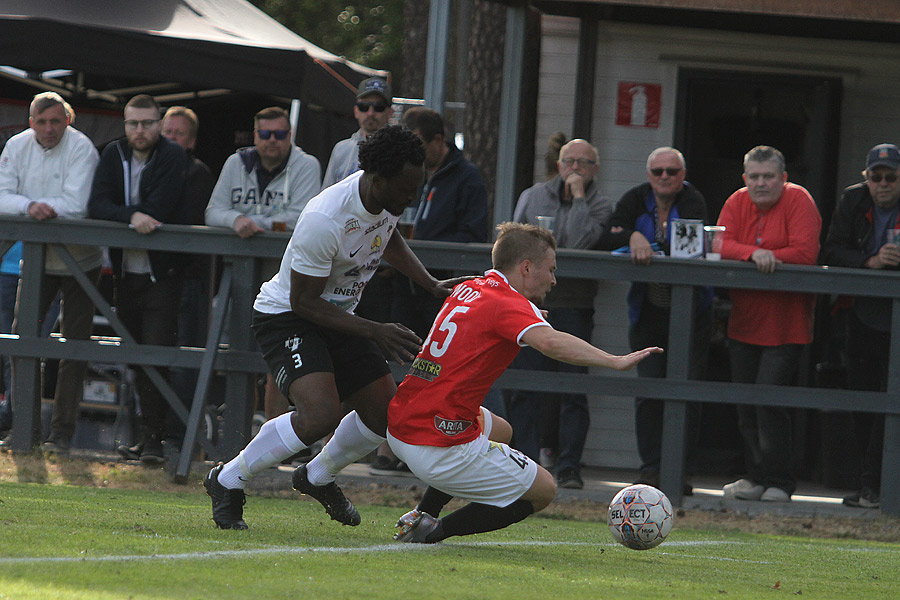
<point x="30" y="467"/>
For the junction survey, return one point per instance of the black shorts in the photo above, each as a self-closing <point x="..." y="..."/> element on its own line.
<point x="294" y="347"/>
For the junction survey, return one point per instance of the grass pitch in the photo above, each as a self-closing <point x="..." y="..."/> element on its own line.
<point x="62" y="541"/>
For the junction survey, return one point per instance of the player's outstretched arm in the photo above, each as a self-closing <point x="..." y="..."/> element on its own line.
<point x="567" y="348"/>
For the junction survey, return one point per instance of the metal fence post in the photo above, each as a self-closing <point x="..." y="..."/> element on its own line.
<point x="681" y="319"/>
<point x="890" y="461"/>
<point x="239" y="392"/>
<point x="26" y="388"/>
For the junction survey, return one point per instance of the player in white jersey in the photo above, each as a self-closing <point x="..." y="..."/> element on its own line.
<point x="433" y="420"/>
<point x="320" y="353"/>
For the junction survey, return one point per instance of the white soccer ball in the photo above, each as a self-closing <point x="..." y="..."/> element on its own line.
<point x="640" y="517"/>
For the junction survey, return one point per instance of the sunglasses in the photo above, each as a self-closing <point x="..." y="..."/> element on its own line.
<point x="279" y="134"/>
<point x="877" y="177"/>
<point x="670" y="171"/>
<point x="365" y="106"/>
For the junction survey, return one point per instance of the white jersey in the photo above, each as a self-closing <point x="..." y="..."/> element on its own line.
<point x="337" y="238"/>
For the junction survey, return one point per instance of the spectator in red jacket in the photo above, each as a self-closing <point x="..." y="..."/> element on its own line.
<point x="771" y="221"/>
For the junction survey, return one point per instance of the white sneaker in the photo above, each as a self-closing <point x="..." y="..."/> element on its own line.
<point x="743" y="489"/>
<point x="774" y="494"/>
<point x="414" y="527"/>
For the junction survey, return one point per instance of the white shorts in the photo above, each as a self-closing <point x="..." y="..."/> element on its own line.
<point x="478" y="471"/>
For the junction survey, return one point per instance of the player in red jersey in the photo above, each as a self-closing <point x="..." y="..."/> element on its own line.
<point x="436" y="424"/>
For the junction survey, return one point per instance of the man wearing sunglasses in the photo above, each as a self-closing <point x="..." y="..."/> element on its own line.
<point x="863" y="234"/>
<point x="580" y="215"/>
<point x="641" y="222"/>
<point x="140" y="181"/>
<point x="264" y="187"/>
<point x="372" y="111"/>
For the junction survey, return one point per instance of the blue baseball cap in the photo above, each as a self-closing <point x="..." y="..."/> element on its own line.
<point x="375" y="85"/>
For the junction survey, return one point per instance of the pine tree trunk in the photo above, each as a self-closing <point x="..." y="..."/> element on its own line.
<point x="485" y="69"/>
<point x="415" y="38"/>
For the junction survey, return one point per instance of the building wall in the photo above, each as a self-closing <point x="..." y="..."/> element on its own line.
<point x="870" y="73"/>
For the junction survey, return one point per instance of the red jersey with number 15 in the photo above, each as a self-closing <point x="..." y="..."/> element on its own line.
<point x="475" y="336"/>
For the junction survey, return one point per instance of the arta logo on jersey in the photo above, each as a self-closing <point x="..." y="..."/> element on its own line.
<point x="376" y="244"/>
<point x="450" y="427"/>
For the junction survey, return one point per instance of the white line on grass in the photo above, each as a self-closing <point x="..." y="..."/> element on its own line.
<point x="296" y="550"/>
<point x="740" y="560"/>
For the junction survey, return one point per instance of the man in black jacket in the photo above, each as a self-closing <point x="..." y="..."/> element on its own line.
<point x="139" y="181"/>
<point x="452" y="207"/>
<point x="863" y="234"/>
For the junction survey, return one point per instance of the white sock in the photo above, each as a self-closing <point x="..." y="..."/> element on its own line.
<point x="351" y="441"/>
<point x="275" y="442"/>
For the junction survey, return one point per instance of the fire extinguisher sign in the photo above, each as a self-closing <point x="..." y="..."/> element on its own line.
<point x="638" y="104"/>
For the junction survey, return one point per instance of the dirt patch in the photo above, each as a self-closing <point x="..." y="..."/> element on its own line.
<point x="121" y="475"/>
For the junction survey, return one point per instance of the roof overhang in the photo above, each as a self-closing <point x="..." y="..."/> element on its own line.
<point x="874" y="20"/>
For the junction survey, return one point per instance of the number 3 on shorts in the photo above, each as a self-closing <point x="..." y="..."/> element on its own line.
<point x="298" y="362"/>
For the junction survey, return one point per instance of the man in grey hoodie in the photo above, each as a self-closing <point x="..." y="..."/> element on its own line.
<point x="264" y="187"/>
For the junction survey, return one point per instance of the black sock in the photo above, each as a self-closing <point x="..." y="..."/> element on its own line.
<point x="479" y="518"/>
<point x="433" y="501"/>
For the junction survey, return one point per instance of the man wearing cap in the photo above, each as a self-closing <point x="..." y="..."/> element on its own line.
<point x="862" y="235"/>
<point x="372" y="111"/>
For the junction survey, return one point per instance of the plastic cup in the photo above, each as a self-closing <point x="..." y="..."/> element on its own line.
<point x="546" y="222"/>
<point x="713" y="241"/>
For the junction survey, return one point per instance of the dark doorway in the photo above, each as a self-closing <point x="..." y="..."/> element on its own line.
<point x="723" y="114"/>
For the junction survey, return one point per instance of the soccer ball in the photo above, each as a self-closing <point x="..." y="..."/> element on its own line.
<point x="640" y="517"/>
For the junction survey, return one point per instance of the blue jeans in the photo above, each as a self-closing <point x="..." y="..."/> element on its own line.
<point x="568" y="415"/>
<point x="766" y="430"/>
<point x="652" y="329"/>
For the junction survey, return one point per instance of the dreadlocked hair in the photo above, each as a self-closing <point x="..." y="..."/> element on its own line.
<point x="390" y="148"/>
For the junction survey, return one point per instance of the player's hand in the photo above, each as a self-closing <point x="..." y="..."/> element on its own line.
<point x="624" y="363"/>
<point x="765" y="260"/>
<point x="144" y="223"/>
<point x="888" y="256"/>
<point x="40" y="211"/>
<point x="641" y="252"/>
<point x="442" y="289"/>
<point x="396" y="341"/>
<point x="246" y="227"/>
